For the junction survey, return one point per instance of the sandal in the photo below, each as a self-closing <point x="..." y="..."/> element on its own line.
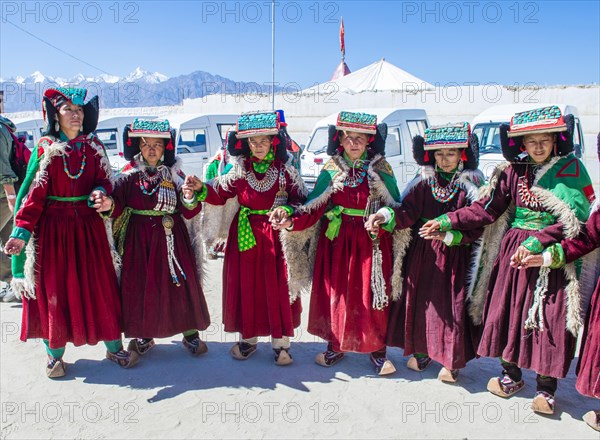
<point x="592" y="418"/>
<point x="242" y="350"/>
<point x="383" y="366"/>
<point x="283" y="356"/>
<point x="543" y="403"/>
<point x="447" y="375"/>
<point x="141" y="345"/>
<point x="418" y="363"/>
<point x="504" y="386"/>
<point x="329" y="358"/>
<point x="55" y="368"/>
<point x="125" y="359"/>
<point x="196" y="346"/>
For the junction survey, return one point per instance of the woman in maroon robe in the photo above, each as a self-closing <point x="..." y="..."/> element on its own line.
<point x="430" y="320"/>
<point x="160" y="278"/>
<point x="256" y="297"/>
<point x="588" y="368"/>
<point x="530" y="318"/>
<point x="68" y="282"/>
<point x="349" y="305"/>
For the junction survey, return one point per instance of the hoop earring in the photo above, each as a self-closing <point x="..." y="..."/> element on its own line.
<point x="57" y="126"/>
<point x="461" y="166"/>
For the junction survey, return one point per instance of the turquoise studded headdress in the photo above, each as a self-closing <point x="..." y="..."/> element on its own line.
<point x="447" y="136"/>
<point x="150" y="128"/>
<point x="540" y="120"/>
<point x="258" y="124"/>
<point x="357" y="122"/>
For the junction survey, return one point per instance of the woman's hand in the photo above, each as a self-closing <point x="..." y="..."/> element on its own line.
<point x="193" y="183"/>
<point x="519" y="257"/>
<point x="536" y="260"/>
<point x="372" y="224"/>
<point x="14" y="246"/>
<point x="436" y="235"/>
<point x="280" y="219"/>
<point x="102" y="203"/>
<point x="429" y="228"/>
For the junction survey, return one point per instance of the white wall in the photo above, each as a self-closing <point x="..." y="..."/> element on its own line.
<point x="443" y="105"/>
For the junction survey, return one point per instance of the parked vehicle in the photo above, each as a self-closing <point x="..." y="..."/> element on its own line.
<point x="199" y="137"/>
<point x="403" y="124"/>
<point x="486" y="127"/>
<point x="29" y="129"/>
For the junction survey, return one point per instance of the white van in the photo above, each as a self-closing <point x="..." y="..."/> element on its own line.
<point x="403" y="124"/>
<point x="29" y="129"/>
<point x="110" y="132"/>
<point x="486" y="126"/>
<point x="199" y="137"/>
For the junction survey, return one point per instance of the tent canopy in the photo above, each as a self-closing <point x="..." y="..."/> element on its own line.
<point x="378" y="76"/>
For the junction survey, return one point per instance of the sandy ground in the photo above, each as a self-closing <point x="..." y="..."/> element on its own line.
<point x="169" y="394"/>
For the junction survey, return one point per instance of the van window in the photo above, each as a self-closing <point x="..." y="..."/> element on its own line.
<point x="416" y="128"/>
<point x="224" y="129"/>
<point x="392" y="143"/>
<point x="108" y="136"/>
<point x="319" y="140"/>
<point x="489" y="137"/>
<point x="191" y="140"/>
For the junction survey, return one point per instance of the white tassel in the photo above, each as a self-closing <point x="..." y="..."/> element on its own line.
<point x="380" y="298"/>
<point x="537" y="307"/>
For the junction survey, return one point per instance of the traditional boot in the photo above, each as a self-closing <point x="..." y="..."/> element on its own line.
<point x="141" y="345"/>
<point x="55" y="368"/>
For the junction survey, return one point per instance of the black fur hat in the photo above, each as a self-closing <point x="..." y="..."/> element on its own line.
<point x="450" y="136"/>
<point x="544" y="120"/>
<point x="375" y="146"/>
<point x="54" y="98"/>
<point x="150" y="129"/>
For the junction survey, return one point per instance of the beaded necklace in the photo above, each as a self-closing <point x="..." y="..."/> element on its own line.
<point x="358" y="168"/>
<point x="144" y="180"/>
<point x="444" y="194"/>
<point x="81" y="168"/>
<point x="266" y="183"/>
<point x="529" y="199"/>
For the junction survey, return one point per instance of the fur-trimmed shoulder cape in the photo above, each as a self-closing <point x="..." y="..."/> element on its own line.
<point x="562" y="187"/>
<point x="217" y="219"/>
<point x="469" y="181"/>
<point x="300" y="247"/>
<point x="177" y="176"/>
<point x="48" y="147"/>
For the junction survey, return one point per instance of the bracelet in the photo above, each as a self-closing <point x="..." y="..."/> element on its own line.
<point x="11" y="196"/>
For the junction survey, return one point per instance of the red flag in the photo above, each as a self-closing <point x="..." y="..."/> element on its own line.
<point x="342" y="43"/>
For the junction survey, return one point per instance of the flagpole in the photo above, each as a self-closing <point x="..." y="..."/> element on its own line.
<point x="273" y="54"/>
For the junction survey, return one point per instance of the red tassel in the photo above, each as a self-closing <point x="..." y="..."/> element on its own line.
<point x="170" y="145"/>
<point x="426" y="157"/>
<point x="335" y="137"/>
<point x="238" y="145"/>
<point x="276" y="141"/>
<point x="372" y="138"/>
<point x="464" y="156"/>
<point x="129" y="142"/>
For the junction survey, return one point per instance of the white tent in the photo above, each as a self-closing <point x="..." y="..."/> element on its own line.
<point x="378" y="76"/>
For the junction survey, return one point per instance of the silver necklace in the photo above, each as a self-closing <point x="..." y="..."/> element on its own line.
<point x="266" y="183"/>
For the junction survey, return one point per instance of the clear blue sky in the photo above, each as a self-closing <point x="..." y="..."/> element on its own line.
<point x="544" y="42"/>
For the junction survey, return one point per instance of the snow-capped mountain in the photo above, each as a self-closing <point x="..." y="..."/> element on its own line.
<point x="138" y="89"/>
